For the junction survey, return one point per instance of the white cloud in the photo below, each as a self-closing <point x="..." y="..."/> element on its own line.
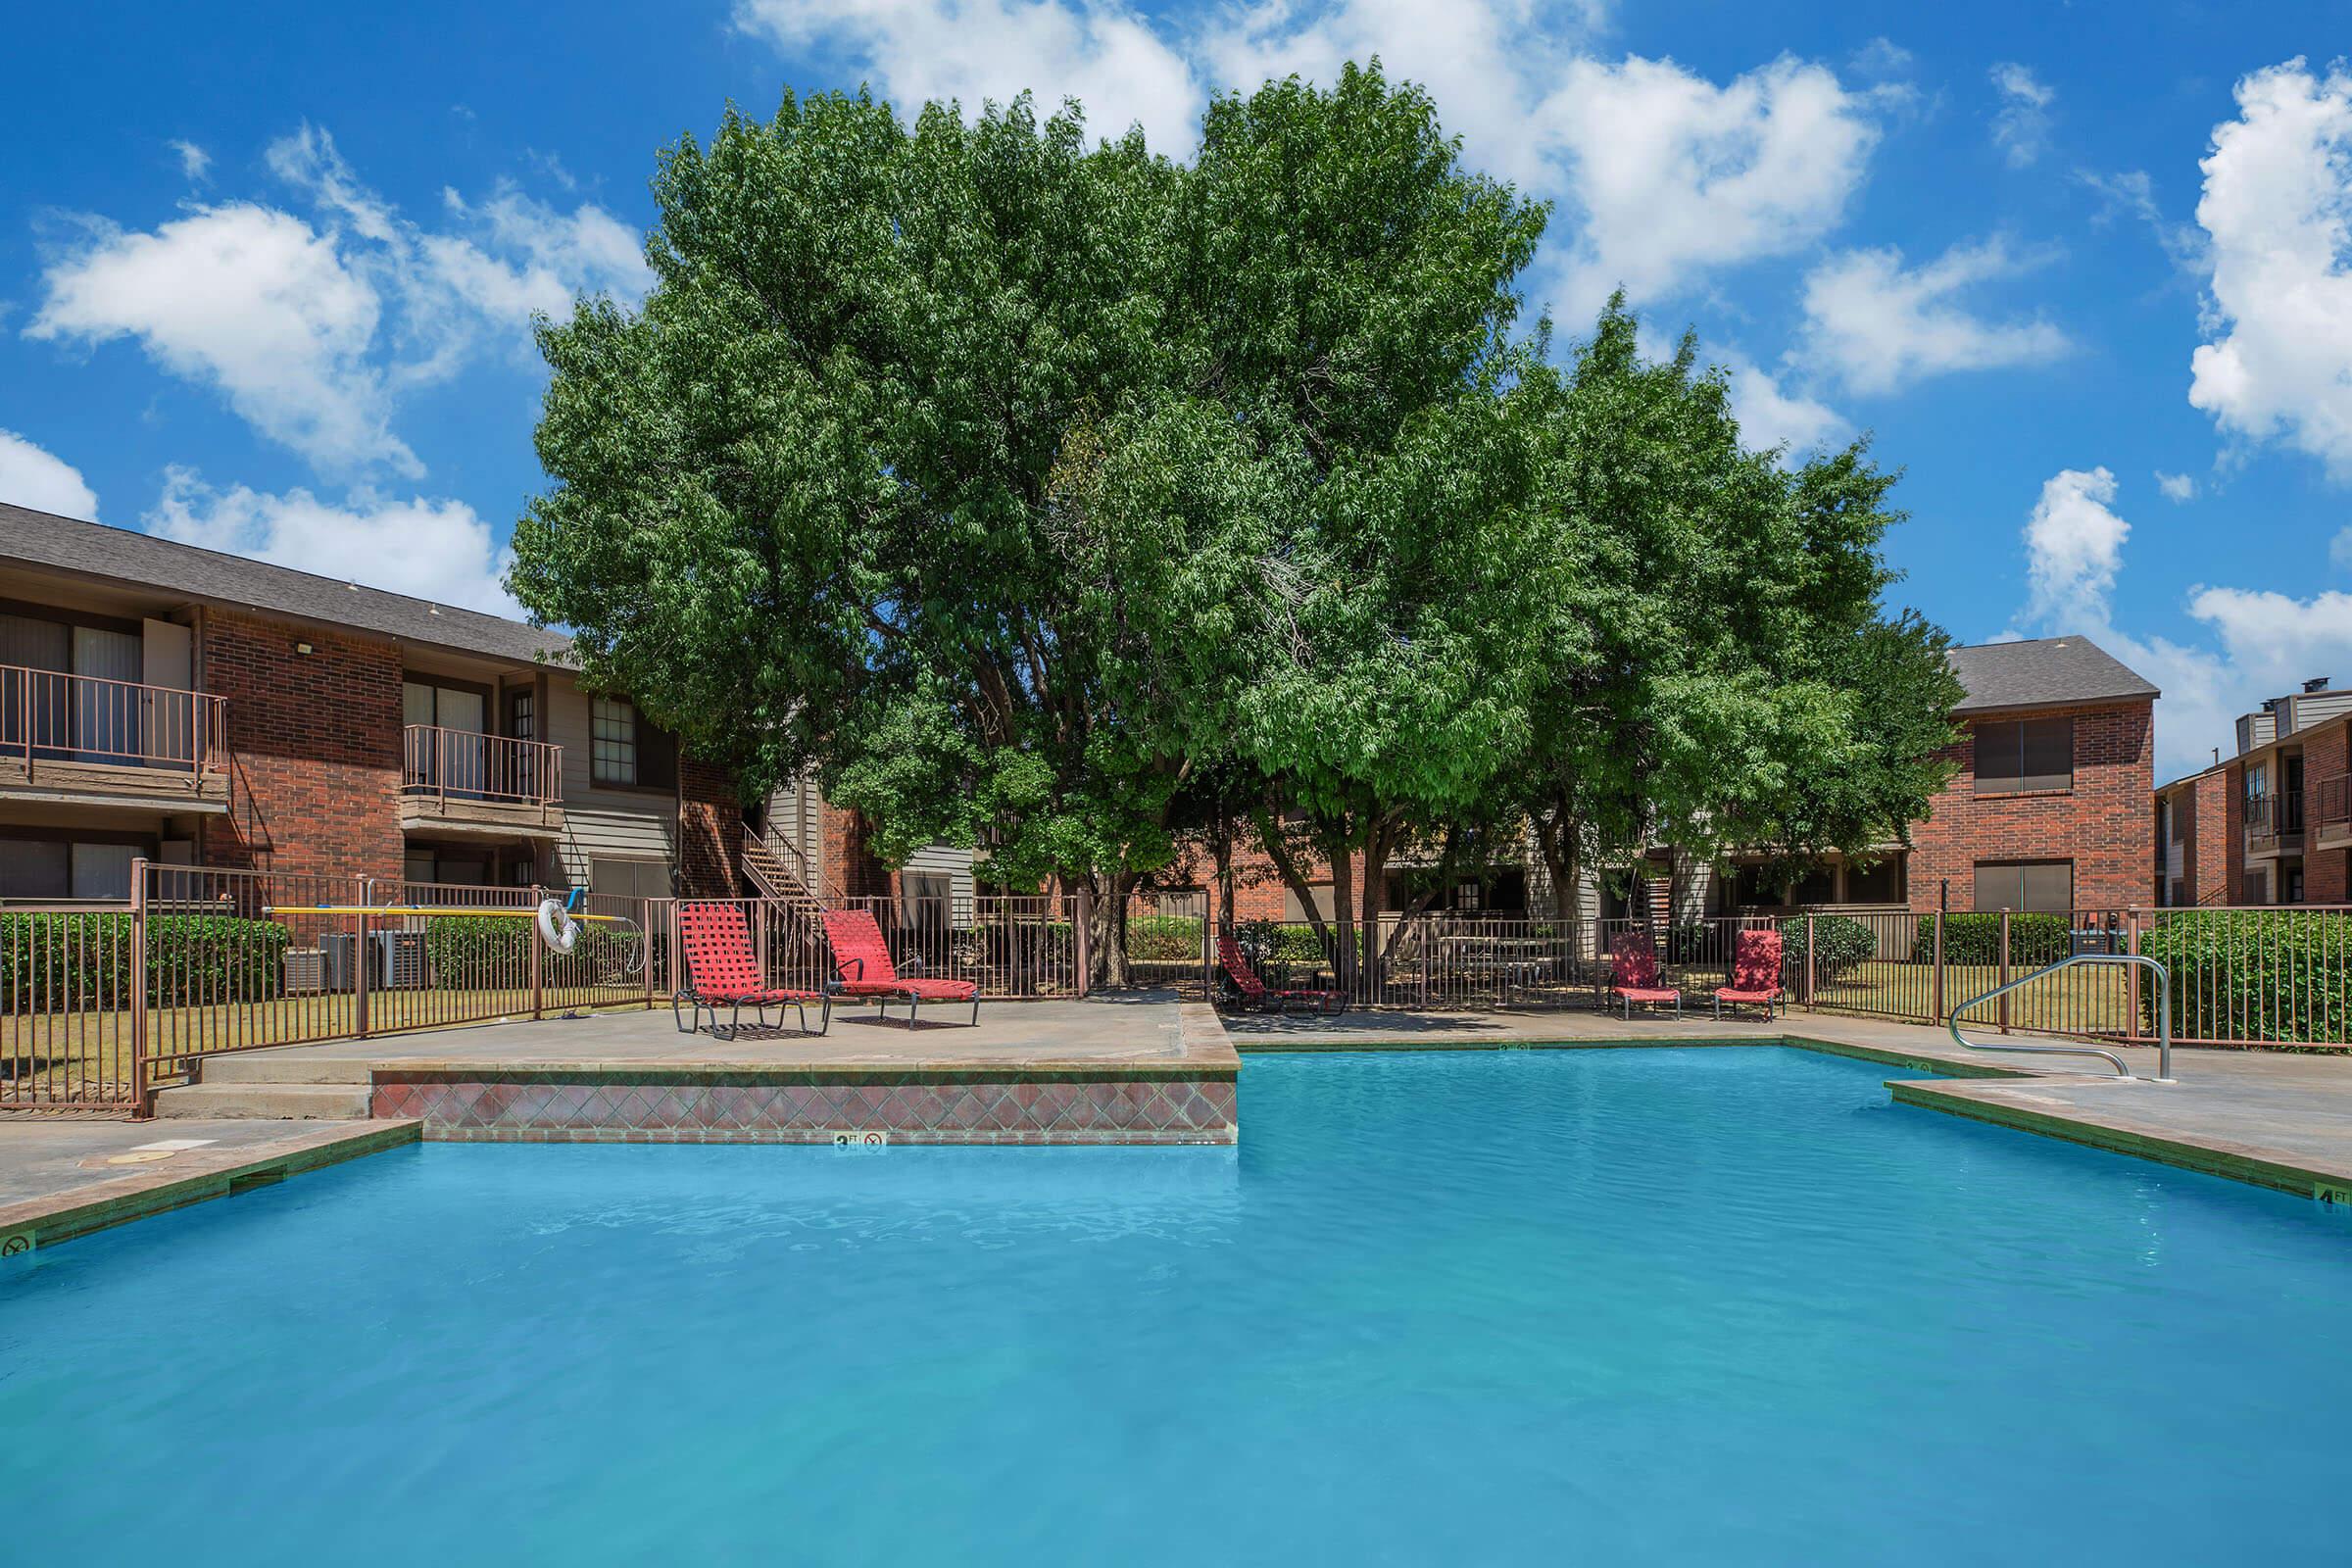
<point x="2278" y="210"/>
<point x="2073" y="547"/>
<point x="310" y="326"/>
<point x="1675" y="177"/>
<point x="2133" y="194"/>
<point x="195" y="164"/>
<point x="1771" y="416"/>
<point x="1880" y="327"/>
<point x="437" y="550"/>
<point x="2339" y="550"/>
<point x="2260" y="643"/>
<point x="1663" y="176"/>
<point x="43" y="482"/>
<point x="1105" y="55"/>
<point x="252" y="301"/>
<point x="2021" y="127"/>
<point x="2176" y="487"/>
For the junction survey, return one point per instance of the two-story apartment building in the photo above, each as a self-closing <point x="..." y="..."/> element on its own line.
<point x="193" y="707"/>
<point x="2270" y="823"/>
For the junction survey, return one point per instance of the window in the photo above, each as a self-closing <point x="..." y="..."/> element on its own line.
<point x="523" y="714"/>
<point x="2290" y="882"/>
<point x="46" y="868"/>
<point x="1882" y="883"/>
<point x="2039" y="887"/>
<point x="628" y="749"/>
<point x="630" y="879"/>
<point x="1466" y="895"/>
<point x="1817" y="886"/>
<point x="2025" y="754"/>
<point x="613" y="741"/>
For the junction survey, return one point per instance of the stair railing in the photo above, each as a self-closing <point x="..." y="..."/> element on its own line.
<point x="2163" y="1015"/>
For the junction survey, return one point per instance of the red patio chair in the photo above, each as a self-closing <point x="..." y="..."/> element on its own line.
<point x="1254" y="991"/>
<point x="1634" y="973"/>
<point x="721" y="969"/>
<point x="1755" y="974"/>
<point x="862" y="965"/>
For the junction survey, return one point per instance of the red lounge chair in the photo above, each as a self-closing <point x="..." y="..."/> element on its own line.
<point x="721" y="969"/>
<point x="862" y="959"/>
<point x="1755" y="974"/>
<point x="1253" y="990"/>
<point x="1634" y="973"/>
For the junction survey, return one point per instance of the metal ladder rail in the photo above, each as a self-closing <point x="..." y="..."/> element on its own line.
<point x="2163" y="1015"/>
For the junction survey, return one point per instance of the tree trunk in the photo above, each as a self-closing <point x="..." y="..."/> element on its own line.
<point x="1286" y="866"/>
<point x="1343" y="899"/>
<point x="1372" y="896"/>
<point x="1107" y="928"/>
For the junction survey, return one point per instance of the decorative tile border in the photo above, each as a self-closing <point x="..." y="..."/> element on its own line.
<point x="470" y="1106"/>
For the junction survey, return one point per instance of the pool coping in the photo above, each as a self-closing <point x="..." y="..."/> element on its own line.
<point x="194" y="1177"/>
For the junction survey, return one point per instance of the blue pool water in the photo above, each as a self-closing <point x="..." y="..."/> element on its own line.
<point x="1661" y="1305"/>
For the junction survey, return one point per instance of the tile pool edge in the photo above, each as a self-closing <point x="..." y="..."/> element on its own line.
<point x="197" y="1177"/>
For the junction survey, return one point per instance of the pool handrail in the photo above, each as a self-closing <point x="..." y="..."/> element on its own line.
<point x="2163" y="1015"/>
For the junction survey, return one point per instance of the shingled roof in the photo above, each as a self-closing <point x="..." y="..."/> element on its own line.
<point x="2044" y="672"/>
<point x="48" y="542"/>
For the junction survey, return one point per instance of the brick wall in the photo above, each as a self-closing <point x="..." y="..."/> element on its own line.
<point x="709" y="832"/>
<point x="2324" y="756"/>
<point x="849" y="871"/>
<point x="316" y="744"/>
<point x="2205" y="858"/>
<point x="2103" y="824"/>
<point x="2233" y="848"/>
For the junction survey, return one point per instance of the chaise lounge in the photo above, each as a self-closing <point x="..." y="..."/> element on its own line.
<point x="722" y="970"/>
<point x="863" y="966"/>
<point x="1756" y="974"/>
<point x="1634" y="973"/>
<point x="1254" y="991"/>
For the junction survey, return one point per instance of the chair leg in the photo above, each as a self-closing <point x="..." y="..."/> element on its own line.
<point x="975" y="1009"/>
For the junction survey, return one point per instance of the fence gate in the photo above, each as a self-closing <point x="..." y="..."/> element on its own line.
<point x="68" y="970"/>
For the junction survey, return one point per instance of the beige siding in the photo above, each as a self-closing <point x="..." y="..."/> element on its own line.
<point x="602" y="823"/>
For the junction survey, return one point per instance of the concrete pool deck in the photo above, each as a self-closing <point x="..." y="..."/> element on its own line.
<point x="64" y="1177"/>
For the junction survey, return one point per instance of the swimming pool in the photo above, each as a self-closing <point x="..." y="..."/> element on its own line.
<point x="1661" y="1304"/>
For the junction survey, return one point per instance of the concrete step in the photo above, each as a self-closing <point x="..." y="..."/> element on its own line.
<point x="264" y="1101"/>
<point x="299" y="1064"/>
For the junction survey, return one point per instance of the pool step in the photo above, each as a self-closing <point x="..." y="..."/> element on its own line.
<point x="291" y="1066"/>
<point x="264" y="1101"/>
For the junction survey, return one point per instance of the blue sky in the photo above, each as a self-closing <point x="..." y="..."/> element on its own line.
<point x="2084" y="272"/>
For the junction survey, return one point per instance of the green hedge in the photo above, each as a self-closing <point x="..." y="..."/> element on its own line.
<point x="2035" y="940"/>
<point x="1164" y="938"/>
<point x="1845" y="945"/>
<point x="1279" y="942"/>
<point x="50" y="961"/>
<point x="487" y="952"/>
<point x="2284" y="976"/>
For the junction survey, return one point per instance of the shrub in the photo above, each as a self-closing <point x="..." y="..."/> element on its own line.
<point x="488" y="953"/>
<point x="1279" y="942"/>
<point x="2283" y="976"/>
<point x="50" y="961"/>
<point x="1845" y="945"/>
<point x="1975" y="937"/>
<point x="1164" y="938"/>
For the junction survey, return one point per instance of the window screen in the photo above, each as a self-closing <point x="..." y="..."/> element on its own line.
<point x="2039" y="887"/>
<point x="2025" y="754"/>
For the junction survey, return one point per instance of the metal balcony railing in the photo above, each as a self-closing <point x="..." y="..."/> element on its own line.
<point x="47" y="717"/>
<point x="2275" y="814"/>
<point x="2334" y="803"/>
<point x="459" y="765"/>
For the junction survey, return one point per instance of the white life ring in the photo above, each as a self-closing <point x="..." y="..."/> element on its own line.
<point x="557" y="928"/>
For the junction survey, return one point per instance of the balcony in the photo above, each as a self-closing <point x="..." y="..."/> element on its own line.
<point x="2274" y="825"/>
<point x="457" y="781"/>
<point x="86" y="739"/>
<point x="2332" y="812"/>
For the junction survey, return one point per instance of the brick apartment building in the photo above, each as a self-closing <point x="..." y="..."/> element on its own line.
<point x="190" y="706"/>
<point x="2272" y="823"/>
<point x="2047" y="811"/>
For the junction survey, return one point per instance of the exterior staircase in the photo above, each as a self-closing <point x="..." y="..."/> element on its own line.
<point x="777" y="869"/>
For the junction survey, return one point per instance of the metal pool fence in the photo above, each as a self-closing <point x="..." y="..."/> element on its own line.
<point x="102" y="1002"/>
<point x="2238" y="976"/>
